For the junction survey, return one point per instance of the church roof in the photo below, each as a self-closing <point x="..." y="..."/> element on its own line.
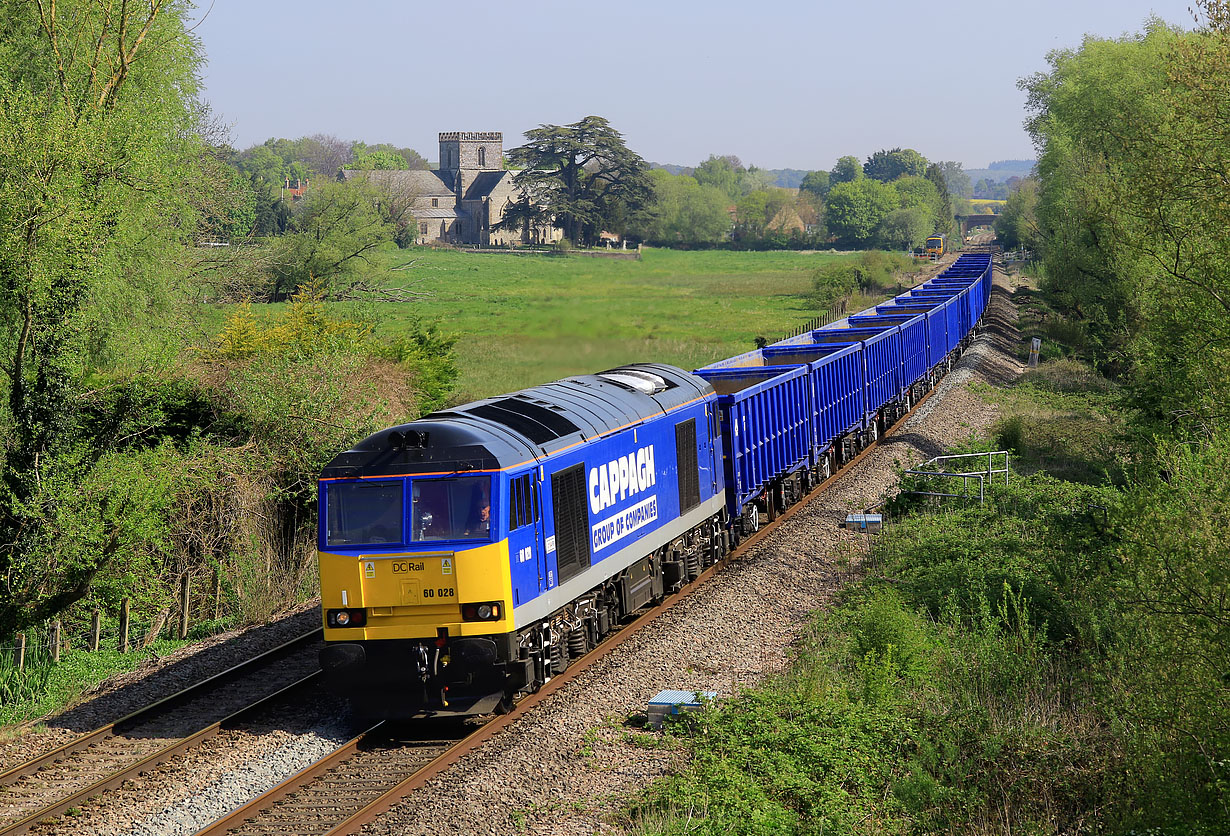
<point x="484" y="183"/>
<point x="417" y="181"/>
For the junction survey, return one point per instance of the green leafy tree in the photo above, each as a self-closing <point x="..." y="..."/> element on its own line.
<point x="956" y="180"/>
<point x="98" y="140"/>
<point x="1016" y="225"/>
<point x="887" y="166"/>
<point x="943" y="210"/>
<point x="915" y="192"/>
<point x="856" y="208"/>
<point x="757" y="179"/>
<point x="847" y="170"/>
<point x="725" y="173"/>
<point x="1134" y="228"/>
<point x="904" y="229"/>
<point x="685" y="211"/>
<point x="266" y="165"/>
<point x="272" y="215"/>
<point x="333" y="239"/>
<point x="1095" y="272"/>
<point x="373" y="159"/>
<point x="379" y="161"/>
<point x="232" y="213"/>
<point x="816" y="183"/>
<point x="756" y="212"/>
<point x="582" y="174"/>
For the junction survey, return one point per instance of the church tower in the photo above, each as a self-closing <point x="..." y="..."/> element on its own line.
<point x="467" y="153"/>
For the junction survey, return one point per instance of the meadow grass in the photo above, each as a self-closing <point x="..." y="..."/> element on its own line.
<point x="526" y="320"/>
<point x="522" y="320"/>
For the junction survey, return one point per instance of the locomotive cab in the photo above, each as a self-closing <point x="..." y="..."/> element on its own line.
<point x="414" y="573"/>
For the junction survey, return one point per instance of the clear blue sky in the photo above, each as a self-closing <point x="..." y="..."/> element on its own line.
<point x="780" y="83"/>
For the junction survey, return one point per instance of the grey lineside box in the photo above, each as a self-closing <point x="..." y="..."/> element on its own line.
<point x="673" y="703"/>
<point x="866" y="523"/>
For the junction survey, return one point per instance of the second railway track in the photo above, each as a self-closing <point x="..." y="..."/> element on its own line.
<point x="65" y="777"/>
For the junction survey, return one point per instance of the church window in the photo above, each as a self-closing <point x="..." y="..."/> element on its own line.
<point x="423" y="229"/>
<point x="482" y="157"/>
<point x="435" y="201"/>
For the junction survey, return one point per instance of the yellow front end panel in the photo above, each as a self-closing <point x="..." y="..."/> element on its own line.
<point x="411" y="595"/>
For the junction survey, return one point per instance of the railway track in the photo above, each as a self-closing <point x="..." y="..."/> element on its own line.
<point x="338" y="793"/>
<point x="61" y="779"/>
<point x="365" y="777"/>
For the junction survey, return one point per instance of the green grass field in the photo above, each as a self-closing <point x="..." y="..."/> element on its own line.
<point x="526" y="320"/>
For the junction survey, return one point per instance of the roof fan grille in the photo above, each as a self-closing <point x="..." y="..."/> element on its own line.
<point x="644" y="382"/>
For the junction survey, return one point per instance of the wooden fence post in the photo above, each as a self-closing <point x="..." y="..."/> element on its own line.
<point x="185" y="592"/>
<point x="124" y="626"/>
<point x="55" y="640"/>
<point x="217" y="593"/>
<point x="95" y="630"/>
<point x="21" y="652"/>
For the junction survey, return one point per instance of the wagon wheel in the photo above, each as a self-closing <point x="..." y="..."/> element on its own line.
<point x="751" y="519"/>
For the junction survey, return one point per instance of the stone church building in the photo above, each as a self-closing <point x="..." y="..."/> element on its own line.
<point x="462" y="200"/>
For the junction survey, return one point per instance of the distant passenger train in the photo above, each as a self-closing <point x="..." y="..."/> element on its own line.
<point x="937" y="245"/>
<point x="469" y="556"/>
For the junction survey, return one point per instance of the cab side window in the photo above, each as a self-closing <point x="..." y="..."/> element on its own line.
<point x="522" y="504"/>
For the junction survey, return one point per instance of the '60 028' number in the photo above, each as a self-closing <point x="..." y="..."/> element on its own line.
<point x="444" y="592"/>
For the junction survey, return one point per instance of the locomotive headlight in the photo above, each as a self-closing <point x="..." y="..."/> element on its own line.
<point x="485" y="611"/>
<point x="346" y="618"/>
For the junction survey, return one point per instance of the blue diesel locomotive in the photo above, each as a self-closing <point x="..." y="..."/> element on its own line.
<point x="469" y="556"/>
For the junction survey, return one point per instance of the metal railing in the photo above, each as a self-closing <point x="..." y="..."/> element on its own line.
<point x="968" y="477"/>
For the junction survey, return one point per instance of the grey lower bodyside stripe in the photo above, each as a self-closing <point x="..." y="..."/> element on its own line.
<point x="553" y="599"/>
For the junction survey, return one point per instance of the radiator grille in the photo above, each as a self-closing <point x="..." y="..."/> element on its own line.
<point x="685" y="458"/>
<point x="571" y="521"/>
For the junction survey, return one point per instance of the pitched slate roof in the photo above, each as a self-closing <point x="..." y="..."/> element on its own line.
<point x="484" y="183"/>
<point x="416" y="181"/>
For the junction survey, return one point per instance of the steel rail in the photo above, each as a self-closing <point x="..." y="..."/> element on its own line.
<point x="193" y="691"/>
<point x="300" y="779"/>
<point x="163" y="755"/>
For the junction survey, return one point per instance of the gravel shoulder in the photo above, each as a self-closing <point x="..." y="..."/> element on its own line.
<point x="571" y="765"/>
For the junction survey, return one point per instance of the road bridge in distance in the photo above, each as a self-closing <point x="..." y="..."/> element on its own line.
<point x="969" y="222"/>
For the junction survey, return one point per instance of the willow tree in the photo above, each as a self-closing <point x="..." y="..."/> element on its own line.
<point x="98" y="148"/>
<point x="582" y="174"/>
